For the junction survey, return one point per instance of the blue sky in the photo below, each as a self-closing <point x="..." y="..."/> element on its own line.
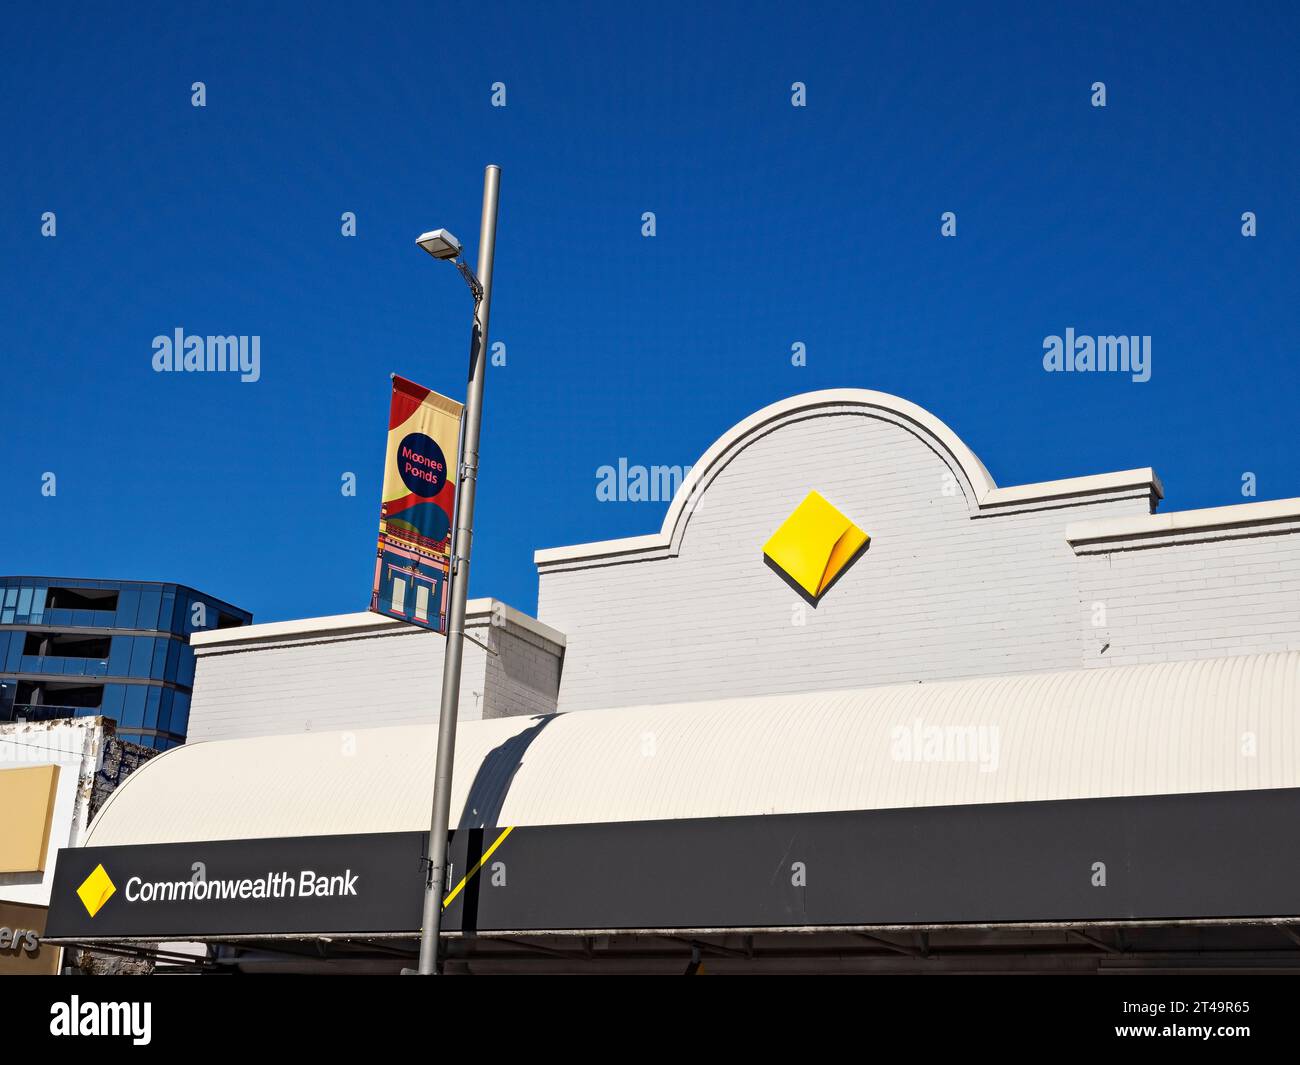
<point x="775" y="224"/>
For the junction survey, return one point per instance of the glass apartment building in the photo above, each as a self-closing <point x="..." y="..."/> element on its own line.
<point x="80" y="648"/>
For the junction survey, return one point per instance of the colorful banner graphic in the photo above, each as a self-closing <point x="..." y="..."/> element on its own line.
<point x="413" y="562"/>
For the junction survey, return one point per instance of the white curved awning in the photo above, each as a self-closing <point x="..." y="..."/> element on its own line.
<point x="1178" y="727"/>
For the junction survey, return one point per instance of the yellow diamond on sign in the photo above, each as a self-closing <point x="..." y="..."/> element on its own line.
<point x="96" y="890"/>
<point x="813" y="546"/>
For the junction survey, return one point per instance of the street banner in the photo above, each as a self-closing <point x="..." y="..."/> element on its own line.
<point x="413" y="562"/>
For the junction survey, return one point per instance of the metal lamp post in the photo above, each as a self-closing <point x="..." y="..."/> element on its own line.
<point x="442" y="245"/>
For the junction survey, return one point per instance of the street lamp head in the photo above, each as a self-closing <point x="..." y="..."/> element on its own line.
<point x="440" y="244"/>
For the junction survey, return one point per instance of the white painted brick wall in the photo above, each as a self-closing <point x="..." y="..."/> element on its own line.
<point x="523" y="677"/>
<point x="939" y="594"/>
<point x="1205" y="599"/>
<point x="366" y="680"/>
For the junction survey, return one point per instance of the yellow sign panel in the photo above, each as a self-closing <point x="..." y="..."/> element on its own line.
<point x="814" y="545"/>
<point x="27" y="806"/>
<point x="96" y="890"/>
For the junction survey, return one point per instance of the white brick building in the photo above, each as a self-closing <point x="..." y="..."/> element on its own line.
<point x="364" y="670"/>
<point x="962" y="578"/>
<point x="1035" y="728"/>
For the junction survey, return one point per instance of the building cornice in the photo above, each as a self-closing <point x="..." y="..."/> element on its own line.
<point x="478" y="613"/>
<point x="985" y="497"/>
<point x="1237" y="520"/>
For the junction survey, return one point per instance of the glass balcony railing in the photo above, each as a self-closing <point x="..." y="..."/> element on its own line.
<point x="41" y="712"/>
<point x="73" y="667"/>
<point x="77" y="618"/>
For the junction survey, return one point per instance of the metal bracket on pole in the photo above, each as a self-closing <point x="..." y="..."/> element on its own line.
<point x="485" y="647"/>
<point x="470" y="280"/>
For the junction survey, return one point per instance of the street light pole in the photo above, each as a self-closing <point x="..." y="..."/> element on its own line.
<point x="461" y="542"/>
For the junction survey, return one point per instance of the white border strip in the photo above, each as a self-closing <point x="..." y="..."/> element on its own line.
<point x="1143" y="479"/>
<point x="478" y="612"/>
<point x="938" y="435"/>
<point x="1236" y="516"/>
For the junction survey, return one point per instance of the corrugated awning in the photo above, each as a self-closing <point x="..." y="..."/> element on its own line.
<point x="1179" y="727"/>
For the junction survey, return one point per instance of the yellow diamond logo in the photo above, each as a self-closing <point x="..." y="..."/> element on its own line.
<point x="813" y="547"/>
<point x="96" y="890"/>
